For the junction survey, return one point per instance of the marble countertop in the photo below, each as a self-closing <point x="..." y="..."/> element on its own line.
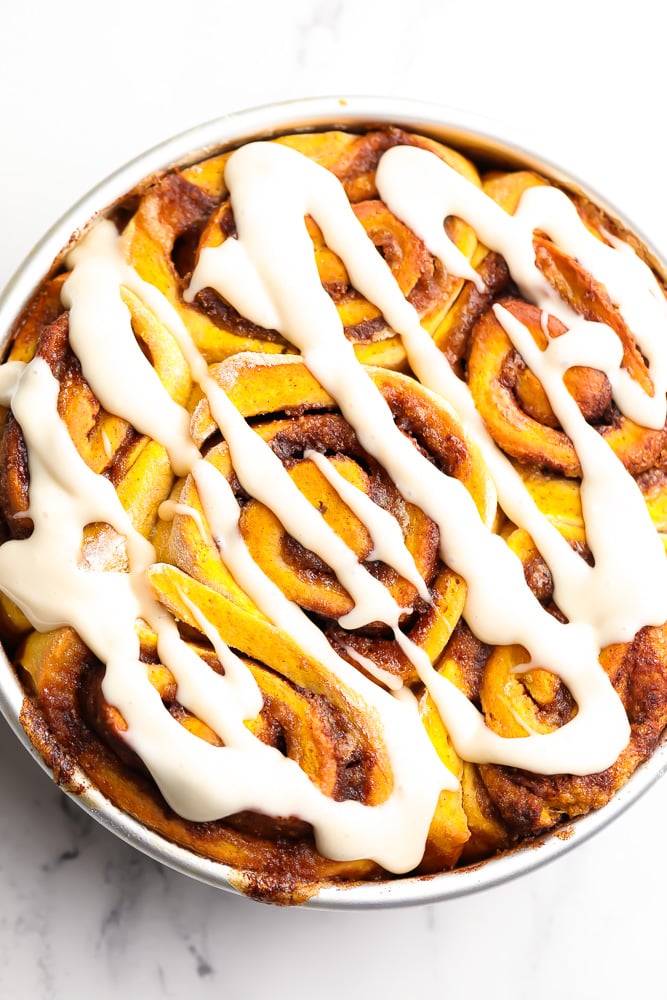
<point x="84" y="88"/>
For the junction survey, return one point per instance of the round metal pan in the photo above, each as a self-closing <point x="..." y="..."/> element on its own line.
<point x="479" y="138"/>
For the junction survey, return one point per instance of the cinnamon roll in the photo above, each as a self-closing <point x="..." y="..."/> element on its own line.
<point x="332" y="483"/>
<point x="190" y="212"/>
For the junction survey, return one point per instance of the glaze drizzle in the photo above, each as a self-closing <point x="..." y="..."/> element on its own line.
<point x="268" y="274"/>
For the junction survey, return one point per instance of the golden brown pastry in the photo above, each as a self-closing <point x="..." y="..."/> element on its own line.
<point x="331" y="471"/>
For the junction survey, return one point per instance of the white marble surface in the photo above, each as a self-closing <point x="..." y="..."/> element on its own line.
<point x="84" y="87"/>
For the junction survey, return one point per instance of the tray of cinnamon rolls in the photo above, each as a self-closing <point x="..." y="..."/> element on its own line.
<point x="333" y="505"/>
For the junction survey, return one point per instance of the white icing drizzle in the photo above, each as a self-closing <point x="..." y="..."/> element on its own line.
<point x="622" y="605"/>
<point x="269" y="275"/>
<point x="10" y="373"/>
<point x="69" y="595"/>
<point x="262" y="475"/>
<point x="101" y="336"/>
<point x="625" y="587"/>
<point x="275" y="253"/>
<point x="200" y="781"/>
<point x="170" y="508"/>
<point x="106" y="444"/>
<point x="628" y="280"/>
<point x="390" y="680"/>
<point x="384" y="529"/>
<point x="259" y="471"/>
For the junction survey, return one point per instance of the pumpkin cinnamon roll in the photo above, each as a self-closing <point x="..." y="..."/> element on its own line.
<point x="333" y="509"/>
<point x="516" y="409"/>
<point x="190" y="212"/>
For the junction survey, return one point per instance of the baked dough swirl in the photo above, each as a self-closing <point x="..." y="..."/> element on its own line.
<point x="190" y="211"/>
<point x="314" y="442"/>
<point x="339" y="581"/>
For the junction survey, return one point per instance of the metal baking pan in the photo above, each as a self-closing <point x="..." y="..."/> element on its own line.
<point x="480" y="139"/>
